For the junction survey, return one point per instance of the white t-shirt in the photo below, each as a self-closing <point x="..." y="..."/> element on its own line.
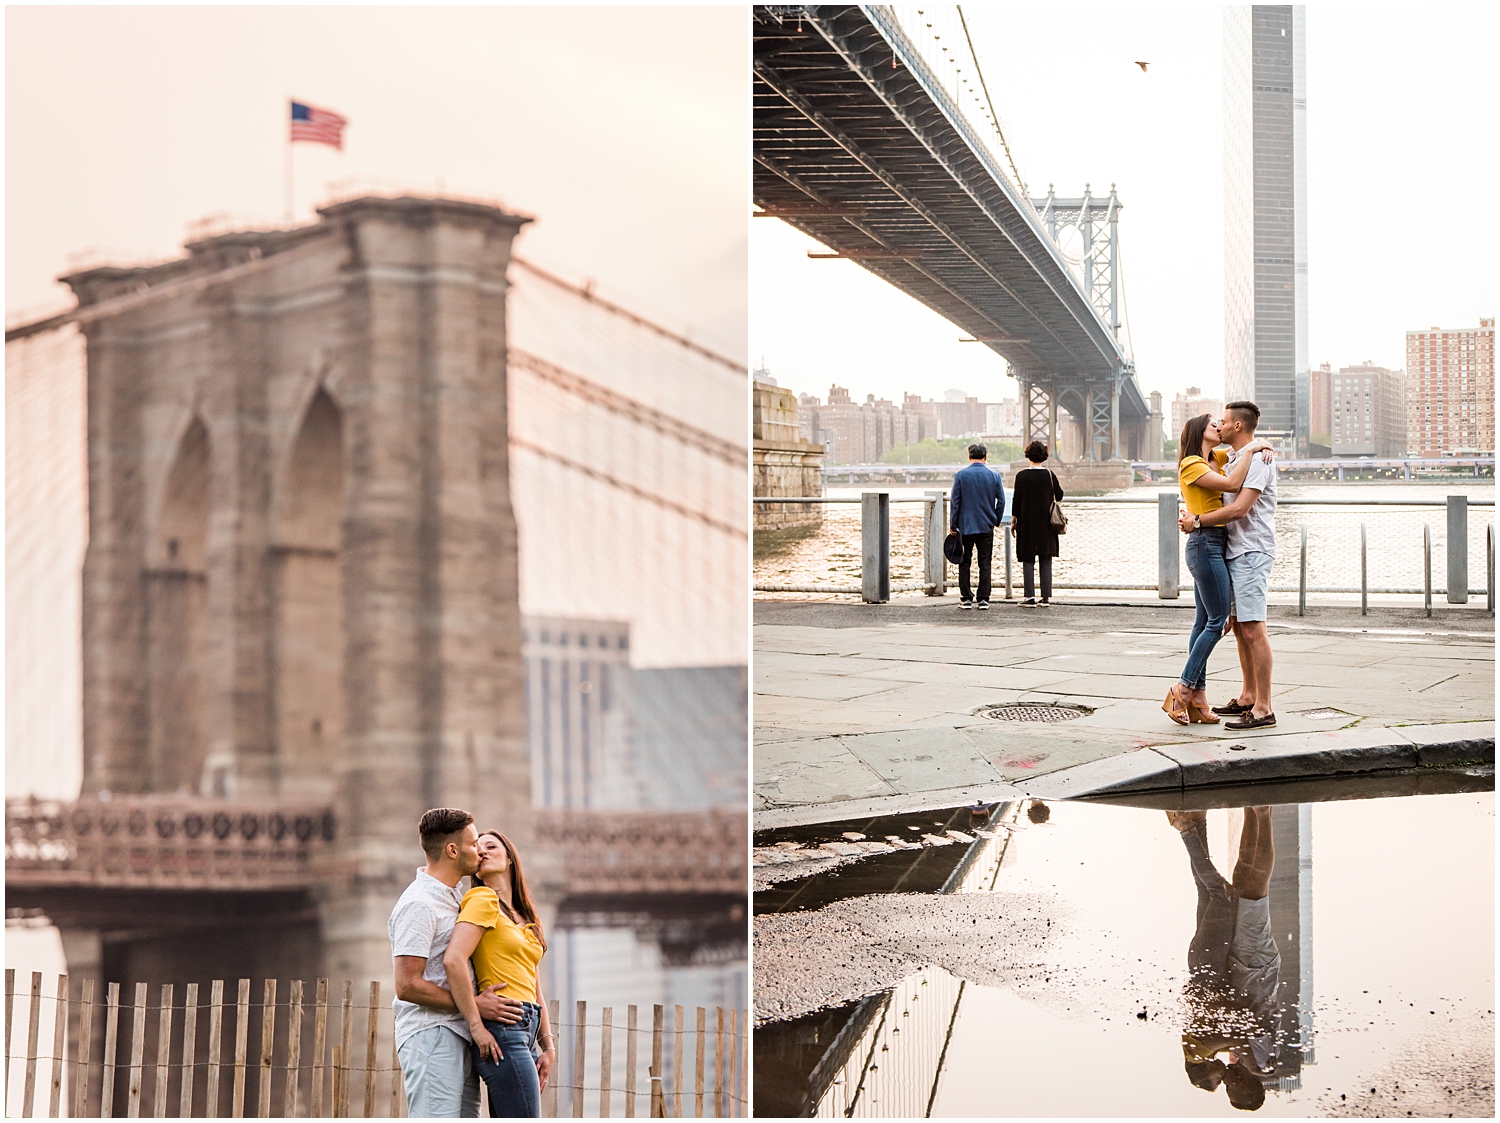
<point x="1255" y="530"/>
<point x="422" y="924"/>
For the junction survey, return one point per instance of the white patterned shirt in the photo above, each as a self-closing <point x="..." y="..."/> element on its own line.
<point x="422" y="924"/>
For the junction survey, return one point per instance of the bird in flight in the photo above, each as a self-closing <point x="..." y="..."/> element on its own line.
<point x="1142" y="65"/>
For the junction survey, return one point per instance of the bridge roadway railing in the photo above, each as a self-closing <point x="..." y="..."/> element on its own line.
<point x="171" y="842"/>
<point x="318" y="1049"/>
<point x="1129" y="543"/>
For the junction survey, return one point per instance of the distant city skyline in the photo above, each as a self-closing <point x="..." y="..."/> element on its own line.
<point x="816" y="322"/>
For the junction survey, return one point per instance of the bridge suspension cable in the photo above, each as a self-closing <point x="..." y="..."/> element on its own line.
<point x="628" y="473"/>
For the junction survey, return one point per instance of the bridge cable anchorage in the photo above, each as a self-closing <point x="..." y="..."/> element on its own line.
<point x="639" y="412"/>
<point x="628" y="488"/>
<point x="587" y="293"/>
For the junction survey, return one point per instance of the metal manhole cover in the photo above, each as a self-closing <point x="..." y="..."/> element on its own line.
<point x="1322" y="712"/>
<point x="1033" y="711"/>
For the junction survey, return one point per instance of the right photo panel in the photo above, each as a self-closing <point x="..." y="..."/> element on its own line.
<point x="1123" y="629"/>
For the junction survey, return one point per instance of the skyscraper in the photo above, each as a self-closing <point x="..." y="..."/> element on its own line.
<point x="1265" y="210"/>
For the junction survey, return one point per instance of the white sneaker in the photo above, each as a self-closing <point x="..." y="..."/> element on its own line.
<point x="984" y="606"/>
<point x="965" y="604"/>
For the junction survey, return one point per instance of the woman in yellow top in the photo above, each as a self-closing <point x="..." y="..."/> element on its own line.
<point x="498" y="928"/>
<point x="1203" y="482"/>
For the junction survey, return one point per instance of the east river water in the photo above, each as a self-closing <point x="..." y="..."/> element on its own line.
<point x="1113" y="542"/>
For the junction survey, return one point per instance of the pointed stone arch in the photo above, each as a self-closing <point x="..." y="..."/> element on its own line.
<point x="308" y="696"/>
<point x="176" y="588"/>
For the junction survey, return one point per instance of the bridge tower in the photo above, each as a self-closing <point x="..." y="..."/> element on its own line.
<point x="1092" y="400"/>
<point x="301" y="580"/>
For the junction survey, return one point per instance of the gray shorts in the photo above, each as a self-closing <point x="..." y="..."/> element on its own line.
<point x="1249" y="581"/>
<point x="1254" y="958"/>
<point x="437" y="1067"/>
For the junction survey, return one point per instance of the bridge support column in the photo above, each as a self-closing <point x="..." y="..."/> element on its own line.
<point x="1114" y="420"/>
<point x="1100" y="426"/>
<point x="1052" y="423"/>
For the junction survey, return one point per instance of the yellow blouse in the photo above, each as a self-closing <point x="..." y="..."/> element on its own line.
<point x="507" y="952"/>
<point x="1200" y="500"/>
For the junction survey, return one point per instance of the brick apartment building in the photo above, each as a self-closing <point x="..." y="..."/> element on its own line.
<point x="1366" y="411"/>
<point x="1189" y="405"/>
<point x="1450" y="390"/>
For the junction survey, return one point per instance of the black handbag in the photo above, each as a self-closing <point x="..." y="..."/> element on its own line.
<point x="1055" y="517"/>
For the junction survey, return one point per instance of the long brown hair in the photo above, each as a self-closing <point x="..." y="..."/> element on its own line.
<point x="1191" y="442"/>
<point x="520" y="896"/>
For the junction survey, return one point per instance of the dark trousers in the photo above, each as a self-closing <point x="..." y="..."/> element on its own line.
<point x="984" y="545"/>
<point x="1028" y="571"/>
<point x="1208" y="953"/>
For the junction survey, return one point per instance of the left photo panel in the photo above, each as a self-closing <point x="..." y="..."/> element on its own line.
<point x="377" y="452"/>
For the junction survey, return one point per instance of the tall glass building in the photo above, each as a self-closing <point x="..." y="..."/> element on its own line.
<point x="1265" y="211"/>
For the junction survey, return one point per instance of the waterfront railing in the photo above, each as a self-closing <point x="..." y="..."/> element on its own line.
<point x="1127" y="543"/>
<point x="320" y="1052"/>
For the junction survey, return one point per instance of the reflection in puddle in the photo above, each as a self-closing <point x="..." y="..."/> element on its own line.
<point x="1107" y="963"/>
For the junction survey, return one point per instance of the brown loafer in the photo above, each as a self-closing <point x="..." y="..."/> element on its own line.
<point x="1231" y="709"/>
<point x="1250" y="721"/>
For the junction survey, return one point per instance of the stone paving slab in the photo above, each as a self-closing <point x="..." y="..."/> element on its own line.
<point x="855" y="710"/>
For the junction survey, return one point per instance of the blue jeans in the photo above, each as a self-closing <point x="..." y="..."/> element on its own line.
<point x="1205" y="561"/>
<point x="515" y="1090"/>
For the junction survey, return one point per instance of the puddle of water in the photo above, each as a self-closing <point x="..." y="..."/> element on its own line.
<point x="1047" y="972"/>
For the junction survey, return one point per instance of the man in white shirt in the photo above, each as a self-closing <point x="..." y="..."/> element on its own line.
<point x="1249" y="518"/>
<point x="432" y="1037"/>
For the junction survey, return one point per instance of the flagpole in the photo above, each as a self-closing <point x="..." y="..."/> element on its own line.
<point x="287" y="124"/>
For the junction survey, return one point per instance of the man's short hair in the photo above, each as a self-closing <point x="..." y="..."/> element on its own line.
<point x="1244" y="1089"/>
<point x="978" y="452"/>
<point x="1246" y="413"/>
<point x="438" y="826"/>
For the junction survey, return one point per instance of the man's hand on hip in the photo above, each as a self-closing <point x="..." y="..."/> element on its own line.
<point x="496" y="1007"/>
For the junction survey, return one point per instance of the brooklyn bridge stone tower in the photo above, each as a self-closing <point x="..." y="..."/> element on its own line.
<point x="301" y="580"/>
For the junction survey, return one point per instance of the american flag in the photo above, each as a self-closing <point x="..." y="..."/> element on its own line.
<point x="322" y="126"/>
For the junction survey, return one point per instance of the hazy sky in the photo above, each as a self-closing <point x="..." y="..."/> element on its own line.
<point x="621" y="129"/>
<point x="1401" y="174"/>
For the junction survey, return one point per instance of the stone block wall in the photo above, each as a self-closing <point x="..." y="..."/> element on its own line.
<point x="784" y="463"/>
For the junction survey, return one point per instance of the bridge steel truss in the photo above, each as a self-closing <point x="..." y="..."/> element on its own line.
<point x="858" y="145"/>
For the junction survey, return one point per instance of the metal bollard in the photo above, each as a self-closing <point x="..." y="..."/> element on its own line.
<point x="1302" y="580"/>
<point x="875" y="546"/>
<point x="934" y="515"/>
<point x="1005" y="530"/>
<point x="1489" y="569"/>
<point x="1168" y="550"/>
<point x="1427" y="568"/>
<point x="1364" y="575"/>
<point x="1458" y="549"/>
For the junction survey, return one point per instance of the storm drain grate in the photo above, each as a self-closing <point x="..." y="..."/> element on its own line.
<point x="1033" y="711"/>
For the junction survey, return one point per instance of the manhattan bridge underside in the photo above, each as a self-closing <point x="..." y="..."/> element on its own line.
<point x="859" y="144"/>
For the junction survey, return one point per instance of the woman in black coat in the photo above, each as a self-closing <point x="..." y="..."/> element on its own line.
<point x="1031" y="522"/>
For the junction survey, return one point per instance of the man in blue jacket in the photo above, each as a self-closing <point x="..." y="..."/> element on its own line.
<point x="978" y="502"/>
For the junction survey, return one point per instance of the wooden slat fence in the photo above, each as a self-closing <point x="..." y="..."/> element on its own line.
<point x="173" y="1065"/>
